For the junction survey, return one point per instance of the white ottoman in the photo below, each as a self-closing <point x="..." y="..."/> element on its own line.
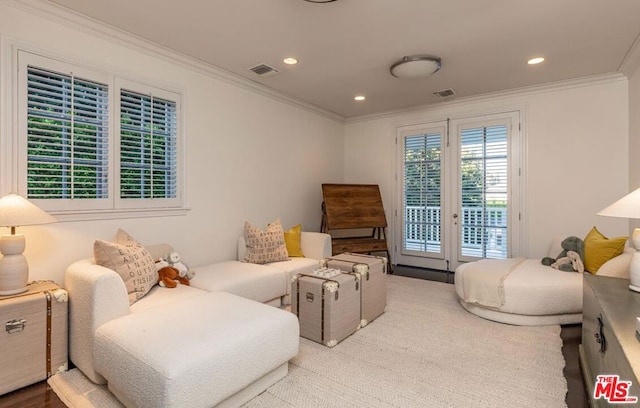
<point x="206" y="350"/>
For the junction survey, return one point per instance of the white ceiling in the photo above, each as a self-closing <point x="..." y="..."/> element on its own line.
<point x="346" y="47"/>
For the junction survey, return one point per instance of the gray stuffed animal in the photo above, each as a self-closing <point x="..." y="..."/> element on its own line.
<point x="571" y="259"/>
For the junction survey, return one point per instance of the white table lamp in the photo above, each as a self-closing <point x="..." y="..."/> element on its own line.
<point x="14" y="270"/>
<point x="629" y="207"/>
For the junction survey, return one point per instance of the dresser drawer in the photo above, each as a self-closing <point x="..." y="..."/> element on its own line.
<point x="602" y="344"/>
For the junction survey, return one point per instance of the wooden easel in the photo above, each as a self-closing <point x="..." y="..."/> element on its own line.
<point x="351" y="207"/>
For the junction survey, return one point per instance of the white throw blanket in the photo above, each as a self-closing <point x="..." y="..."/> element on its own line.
<point x="484" y="281"/>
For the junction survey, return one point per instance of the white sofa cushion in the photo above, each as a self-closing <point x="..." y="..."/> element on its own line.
<point x="261" y="283"/>
<point x="159" y="296"/>
<point x="190" y="360"/>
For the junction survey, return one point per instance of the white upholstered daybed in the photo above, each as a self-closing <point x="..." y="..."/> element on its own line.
<point x="525" y="292"/>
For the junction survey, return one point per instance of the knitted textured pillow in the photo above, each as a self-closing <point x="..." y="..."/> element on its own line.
<point x="130" y="260"/>
<point x="265" y="246"/>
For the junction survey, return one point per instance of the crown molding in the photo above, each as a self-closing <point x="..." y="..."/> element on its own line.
<point x="533" y="89"/>
<point x="632" y="59"/>
<point x="97" y="28"/>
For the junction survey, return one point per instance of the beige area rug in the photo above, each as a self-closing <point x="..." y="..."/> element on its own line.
<point x="425" y="351"/>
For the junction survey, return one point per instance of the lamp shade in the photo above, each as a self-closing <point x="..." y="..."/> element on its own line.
<point x="626" y="207"/>
<point x="16" y="210"/>
<point x="629" y="207"/>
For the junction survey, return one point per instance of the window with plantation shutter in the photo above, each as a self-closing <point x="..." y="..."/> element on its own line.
<point x="148" y="146"/>
<point x="422" y="192"/>
<point x="91" y="142"/>
<point x="67" y="136"/>
<point x="484" y="191"/>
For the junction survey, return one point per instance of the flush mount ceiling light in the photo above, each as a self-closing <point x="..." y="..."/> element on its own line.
<point x="415" y="66"/>
<point x="534" y="61"/>
<point x="359" y="98"/>
<point x="290" y="61"/>
<point x="320" y="1"/>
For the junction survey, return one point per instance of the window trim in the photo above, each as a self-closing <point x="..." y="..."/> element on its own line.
<point x="87" y="209"/>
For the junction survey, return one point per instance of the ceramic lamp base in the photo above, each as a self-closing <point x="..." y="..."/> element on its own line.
<point x="14" y="270"/>
<point x="634" y="271"/>
<point x="634" y="288"/>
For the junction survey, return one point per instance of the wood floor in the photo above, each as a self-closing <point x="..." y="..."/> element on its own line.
<point x="40" y="395"/>
<point x="37" y="395"/>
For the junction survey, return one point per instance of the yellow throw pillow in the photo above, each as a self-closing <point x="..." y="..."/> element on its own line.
<point x="292" y="238"/>
<point x="598" y="249"/>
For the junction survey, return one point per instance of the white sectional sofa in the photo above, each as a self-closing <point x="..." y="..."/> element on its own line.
<point x="217" y="342"/>
<point x="315" y="246"/>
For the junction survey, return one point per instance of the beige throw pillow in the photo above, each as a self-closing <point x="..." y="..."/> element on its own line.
<point x="265" y="246"/>
<point x="130" y="260"/>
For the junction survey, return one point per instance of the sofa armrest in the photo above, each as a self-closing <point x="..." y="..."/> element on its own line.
<point x="618" y="267"/>
<point x="96" y="295"/>
<point x="315" y="245"/>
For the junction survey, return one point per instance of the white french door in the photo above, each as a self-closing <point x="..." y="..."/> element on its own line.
<point x="458" y="191"/>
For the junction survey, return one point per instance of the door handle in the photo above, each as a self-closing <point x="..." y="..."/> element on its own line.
<point x="455" y="215"/>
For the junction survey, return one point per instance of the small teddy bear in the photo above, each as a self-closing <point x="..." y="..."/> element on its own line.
<point x="174" y="261"/>
<point x="169" y="277"/>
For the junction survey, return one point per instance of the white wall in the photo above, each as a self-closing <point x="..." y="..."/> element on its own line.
<point x="251" y="157"/>
<point x="248" y="157"/>
<point x="634" y="135"/>
<point x="577" y="163"/>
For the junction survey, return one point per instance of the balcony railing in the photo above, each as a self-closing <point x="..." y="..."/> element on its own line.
<point x="483" y="230"/>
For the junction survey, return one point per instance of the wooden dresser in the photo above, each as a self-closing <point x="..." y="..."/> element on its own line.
<point x="610" y="345"/>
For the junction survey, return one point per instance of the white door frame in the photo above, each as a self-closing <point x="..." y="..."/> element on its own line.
<point x="449" y="258"/>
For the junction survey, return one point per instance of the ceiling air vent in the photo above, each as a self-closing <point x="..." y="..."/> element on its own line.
<point x="263" y="70"/>
<point x="445" y="93"/>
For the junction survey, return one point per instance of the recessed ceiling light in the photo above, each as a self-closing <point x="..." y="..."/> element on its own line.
<point x="290" y="61"/>
<point x="359" y="97"/>
<point x="534" y="61"/>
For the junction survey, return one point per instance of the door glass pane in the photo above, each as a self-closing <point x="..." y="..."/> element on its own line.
<point x="484" y="188"/>
<point x="422" y="193"/>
